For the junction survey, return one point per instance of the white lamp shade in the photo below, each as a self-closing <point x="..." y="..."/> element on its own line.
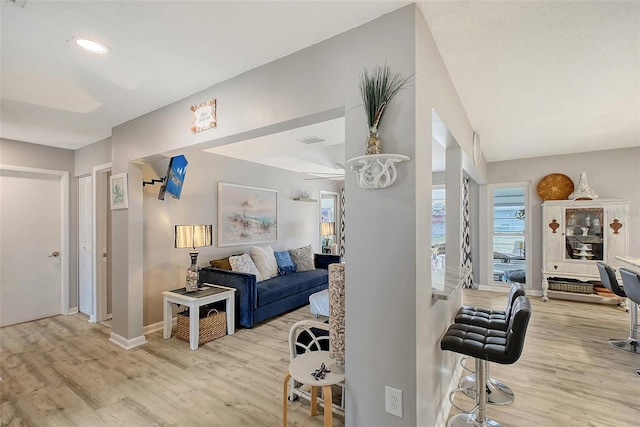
<point x="327" y="228"/>
<point x="193" y="236"/>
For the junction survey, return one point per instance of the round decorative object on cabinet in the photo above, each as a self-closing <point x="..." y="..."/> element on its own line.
<point x="555" y="186"/>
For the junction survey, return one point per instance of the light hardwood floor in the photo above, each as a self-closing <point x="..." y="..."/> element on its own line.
<point x="63" y="371"/>
<point x="568" y="375"/>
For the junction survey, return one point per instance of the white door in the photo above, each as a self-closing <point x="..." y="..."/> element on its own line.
<point x="30" y="227"/>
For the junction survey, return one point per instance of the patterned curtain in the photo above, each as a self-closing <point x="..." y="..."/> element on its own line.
<point x="466" y="232"/>
<point x="342" y="222"/>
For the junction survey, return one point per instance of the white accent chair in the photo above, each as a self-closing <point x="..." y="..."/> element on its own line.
<point x="316" y="342"/>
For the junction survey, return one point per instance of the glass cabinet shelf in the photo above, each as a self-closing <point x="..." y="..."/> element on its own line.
<point x="583" y="234"/>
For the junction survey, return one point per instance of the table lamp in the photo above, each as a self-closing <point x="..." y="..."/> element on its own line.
<point x="193" y="236"/>
<point x="327" y="229"/>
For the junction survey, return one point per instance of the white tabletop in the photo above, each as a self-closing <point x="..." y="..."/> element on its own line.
<point x="305" y="364"/>
<point x="635" y="261"/>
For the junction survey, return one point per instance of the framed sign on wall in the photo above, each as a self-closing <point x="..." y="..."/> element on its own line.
<point x="204" y="116"/>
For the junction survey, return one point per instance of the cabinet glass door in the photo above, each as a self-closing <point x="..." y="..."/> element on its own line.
<point x="583" y="234"/>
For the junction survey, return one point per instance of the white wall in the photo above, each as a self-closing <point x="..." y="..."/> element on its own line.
<point x="392" y="328"/>
<point x="612" y="174"/>
<point x="17" y="153"/>
<point x="92" y="155"/>
<point x="434" y="90"/>
<point x="164" y="266"/>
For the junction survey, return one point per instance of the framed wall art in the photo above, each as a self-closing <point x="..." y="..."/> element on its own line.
<point x="119" y="192"/>
<point x="246" y="215"/>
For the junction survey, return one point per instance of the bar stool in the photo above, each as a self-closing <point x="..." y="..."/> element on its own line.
<point x="631" y="283"/>
<point x="609" y="281"/>
<point x="487" y="345"/>
<point x="498" y="393"/>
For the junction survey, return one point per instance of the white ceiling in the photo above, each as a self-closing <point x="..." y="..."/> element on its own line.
<point x="536" y="78"/>
<point x="286" y="150"/>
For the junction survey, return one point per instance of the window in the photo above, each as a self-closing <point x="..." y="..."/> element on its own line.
<point x="329" y="222"/>
<point x="438" y="238"/>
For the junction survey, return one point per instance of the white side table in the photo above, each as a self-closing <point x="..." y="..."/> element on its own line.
<point x="300" y="369"/>
<point x="206" y="294"/>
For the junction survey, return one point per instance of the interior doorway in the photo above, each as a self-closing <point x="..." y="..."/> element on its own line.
<point x="34" y="219"/>
<point x="509" y="233"/>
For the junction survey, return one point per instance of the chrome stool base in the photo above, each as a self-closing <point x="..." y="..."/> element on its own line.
<point x="470" y="420"/>
<point x="498" y="393"/>
<point x="630" y="344"/>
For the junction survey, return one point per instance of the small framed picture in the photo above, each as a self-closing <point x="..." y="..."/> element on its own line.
<point x="119" y="193"/>
<point x="203" y="116"/>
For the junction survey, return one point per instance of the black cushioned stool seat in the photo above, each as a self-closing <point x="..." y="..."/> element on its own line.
<point x="631" y="282"/>
<point x="487" y="345"/>
<point x="492" y="319"/>
<point x="498" y="393"/>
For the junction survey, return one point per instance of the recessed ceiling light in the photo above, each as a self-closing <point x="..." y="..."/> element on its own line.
<point x="91" y="45"/>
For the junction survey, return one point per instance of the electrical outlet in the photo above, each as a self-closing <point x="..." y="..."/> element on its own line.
<point x="393" y="401"/>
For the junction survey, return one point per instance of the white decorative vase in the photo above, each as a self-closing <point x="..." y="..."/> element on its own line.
<point x="583" y="191"/>
<point x="374" y="144"/>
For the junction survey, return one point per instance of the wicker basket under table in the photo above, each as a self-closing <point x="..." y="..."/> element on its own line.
<point x="212" y="326"/>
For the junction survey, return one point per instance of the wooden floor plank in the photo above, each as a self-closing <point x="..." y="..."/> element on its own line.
<point x="63" y="371"/>
<point x="568" y="375"/>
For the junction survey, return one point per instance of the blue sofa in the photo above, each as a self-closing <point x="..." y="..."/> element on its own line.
<point x="256" y="302"/>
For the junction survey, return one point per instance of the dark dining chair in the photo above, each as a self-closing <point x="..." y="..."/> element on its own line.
<point x="609" y="281"/>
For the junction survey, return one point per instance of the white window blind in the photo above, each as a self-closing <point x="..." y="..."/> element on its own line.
<point x="85" y="245"/>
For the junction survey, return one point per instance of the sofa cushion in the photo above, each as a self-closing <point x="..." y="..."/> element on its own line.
<point x="282" y="286"/>
<point x="285" y="263"/>
<point x="265" y="261"/>
<point x="244" y="264"/>
<point x="303" y="258"/>
<point x="221" y="263"/>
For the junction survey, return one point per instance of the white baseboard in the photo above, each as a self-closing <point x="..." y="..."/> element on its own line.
<point x="445" y="406"/>
<point x="158" y="326"/>
<point x="127" y="344"/>
<point x="72" y="310"/>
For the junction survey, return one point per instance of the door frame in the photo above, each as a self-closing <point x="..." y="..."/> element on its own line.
<point x="100" y="210"/>
<point x="486" y="234"/>
<point x="63" y="179"/>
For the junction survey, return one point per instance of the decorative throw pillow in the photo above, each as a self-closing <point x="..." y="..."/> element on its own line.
<point x="244" y="264"/>
<point x="285" y="263"/>
<point x="303" y="258"/>
<point x="265" y="261"/>
<point x="221" y="263"/>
